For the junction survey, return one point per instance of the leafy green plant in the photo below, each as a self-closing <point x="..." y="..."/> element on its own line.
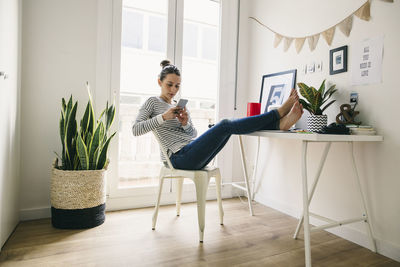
<point x="85" y="149"/>
<point x="314" y="99"/>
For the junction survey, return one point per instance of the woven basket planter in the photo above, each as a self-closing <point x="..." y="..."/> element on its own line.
<point x="77" y="198"/>
<point x="315" y="123"/>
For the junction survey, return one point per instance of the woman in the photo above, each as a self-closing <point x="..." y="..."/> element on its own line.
<point x="176" y="131"/>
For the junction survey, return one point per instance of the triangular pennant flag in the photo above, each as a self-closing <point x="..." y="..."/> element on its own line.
<point x="328" y="35"/>
<point x="299" y="42"/>
<point x="313" y="41"/>
<point x="287" y="43"/>
<point x="278" y="39"/>
<point x="346" y="25"/>
<point x="364" y="11"/>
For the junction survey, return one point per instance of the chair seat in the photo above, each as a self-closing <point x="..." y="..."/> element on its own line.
<point x="210" y="170"/>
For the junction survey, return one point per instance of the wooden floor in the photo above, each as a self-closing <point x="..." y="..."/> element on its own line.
<point x="126" y="239"/>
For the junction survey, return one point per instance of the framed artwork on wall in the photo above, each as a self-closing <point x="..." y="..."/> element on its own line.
<point x="275" y="88"/>
<point x="338" y="60"/>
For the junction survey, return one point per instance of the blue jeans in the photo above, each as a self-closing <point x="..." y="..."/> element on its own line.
<point x="198" y="153"/>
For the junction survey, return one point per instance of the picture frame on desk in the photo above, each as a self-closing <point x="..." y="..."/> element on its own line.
<point x="338" y="60"/>
<point x="275" y="88"/>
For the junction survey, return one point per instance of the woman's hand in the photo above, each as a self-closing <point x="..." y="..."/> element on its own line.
<point x="171" y="113"/>
<point x="183" y="116"/>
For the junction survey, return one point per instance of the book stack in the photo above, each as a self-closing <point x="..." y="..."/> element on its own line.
<point x="361" y="129"/>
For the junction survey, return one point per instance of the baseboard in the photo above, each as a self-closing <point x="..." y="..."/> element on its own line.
<point x="34" y="214"/>
<point x="122" y="203"/>
<point x="384" y="247"/>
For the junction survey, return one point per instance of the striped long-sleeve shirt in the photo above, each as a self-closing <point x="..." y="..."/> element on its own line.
<point x="172" y="134"/>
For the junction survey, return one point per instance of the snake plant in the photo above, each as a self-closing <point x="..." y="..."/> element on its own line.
<point x="314" y="99"/>
<point x="85" y="149"/>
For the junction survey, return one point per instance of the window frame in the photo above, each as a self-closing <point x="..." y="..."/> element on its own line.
<point x="108" y="81"/>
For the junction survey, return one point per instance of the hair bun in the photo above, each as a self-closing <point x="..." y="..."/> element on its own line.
<point x="165" y="63"/>
<point x="167" y="68"/>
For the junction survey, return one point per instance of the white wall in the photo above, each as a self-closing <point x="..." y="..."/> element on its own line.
<point x="378" y="165"/>
<point x="9" y="118"/>
<point x="58" y="57"/>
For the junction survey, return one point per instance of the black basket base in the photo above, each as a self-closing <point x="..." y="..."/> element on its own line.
<point x="78" y="218"/>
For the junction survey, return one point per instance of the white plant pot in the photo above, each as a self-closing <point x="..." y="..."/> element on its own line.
<point x="315" y="123"/>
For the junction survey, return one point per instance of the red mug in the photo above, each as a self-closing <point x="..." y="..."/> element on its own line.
<point x="253" y="109"/>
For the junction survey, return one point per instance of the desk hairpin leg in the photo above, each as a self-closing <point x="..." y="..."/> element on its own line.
<point x="307" y="245"/>
<point x="253" y="179"/>
<point x="367" y="221"/>
<point x="318" y="174"/>
<point x="246" y="177"/>
<point x="308" y="197"/>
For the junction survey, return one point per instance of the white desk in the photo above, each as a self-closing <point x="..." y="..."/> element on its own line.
<point x="307" y="196"/>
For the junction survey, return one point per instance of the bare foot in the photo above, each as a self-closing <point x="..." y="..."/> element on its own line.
<point x="285" y="108"/>
<point x="291" y="118"/>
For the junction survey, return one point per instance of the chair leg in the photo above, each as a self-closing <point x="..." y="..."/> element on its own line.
<point x="201" y="181"/>
<point x="155" y="214"/>
<point x="219" y="197"/>
<point x="179" y="183"/>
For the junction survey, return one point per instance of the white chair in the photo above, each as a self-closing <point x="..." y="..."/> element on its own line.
<point x="201" y="179"/>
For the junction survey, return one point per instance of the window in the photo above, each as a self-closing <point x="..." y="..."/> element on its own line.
<point x="144" y="45"/>
<point x="157" y="34"/>
<point x="209" y="43"/>
<point x="139" y="158"/>
<point x="132" y="29"/>
<point x="190" y="40"/>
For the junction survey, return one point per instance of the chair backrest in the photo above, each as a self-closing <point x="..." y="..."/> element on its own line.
<point x="163" y="150"/>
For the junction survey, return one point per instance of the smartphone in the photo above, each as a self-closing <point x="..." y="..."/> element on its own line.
<point x="181" y="104"/>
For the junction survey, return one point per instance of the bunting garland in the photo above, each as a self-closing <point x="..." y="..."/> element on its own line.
<point x="328" y="35"/>
<point x="299" y="42"/>
<point x="344" y="26"/>
<point x="287" y="43"/>
<point x="278" y="39"/>
<point x="313" y="41"/>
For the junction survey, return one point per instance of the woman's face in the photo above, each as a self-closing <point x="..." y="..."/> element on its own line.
<point x="169" y="86"/>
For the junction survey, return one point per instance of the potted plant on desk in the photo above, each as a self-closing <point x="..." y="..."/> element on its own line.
<point x="78" y="184"/>
<point x="313" y="101"/>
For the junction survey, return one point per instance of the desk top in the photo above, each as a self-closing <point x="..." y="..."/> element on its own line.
<point x="318" y="137"/>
